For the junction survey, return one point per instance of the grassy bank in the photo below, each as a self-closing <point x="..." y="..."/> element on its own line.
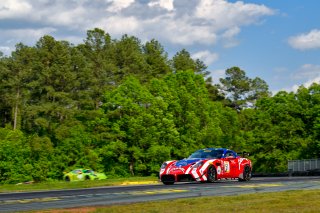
<point x="75" y="185"/>
<point x="289" y="201"/>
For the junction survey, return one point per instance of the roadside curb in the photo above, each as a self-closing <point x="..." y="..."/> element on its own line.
<point x="138" y="182"/>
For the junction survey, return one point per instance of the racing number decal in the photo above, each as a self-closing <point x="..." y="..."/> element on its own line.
<point x="226" y="166"/>
<point x="218" y="170"/>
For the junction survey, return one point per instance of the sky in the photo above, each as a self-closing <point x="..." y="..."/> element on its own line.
<point x="275" y="40"/>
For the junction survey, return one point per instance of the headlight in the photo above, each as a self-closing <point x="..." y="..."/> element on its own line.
<point x="163" y="166"/>
<point x="198" y="164"/>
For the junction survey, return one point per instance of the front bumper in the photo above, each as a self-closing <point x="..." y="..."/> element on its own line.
<point x="177" y="178"/>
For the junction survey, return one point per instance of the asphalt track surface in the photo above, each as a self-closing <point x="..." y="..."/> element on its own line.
<point x="115" y="195"/>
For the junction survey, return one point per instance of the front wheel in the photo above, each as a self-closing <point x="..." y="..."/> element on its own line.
<point x="211" y="174"/>
<point x="246" y="174"/>
<point x="168" y="183"/>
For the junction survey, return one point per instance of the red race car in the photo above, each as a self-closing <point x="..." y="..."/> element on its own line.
<point x="207" y="165"/>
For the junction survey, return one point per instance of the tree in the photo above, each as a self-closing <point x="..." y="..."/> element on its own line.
<point x="5" y="104"/>
<point x="50" y="88"/>
<point x="258" y="89"/>
<point x="127" y="107"/>
<point x="156" y="58"/>
<point x="240" y="89"/>
<point x="129" y="59"/>
<point x="97" y="74"/>
<point x="195" y="117"/>
<point x="182" y="61"/>
<point x="236" y="85"/>
<point x="213" y="91"/>
<point x="309" y="100"/>
<point x="278" y="132"/>
<point x="18" y="78"/>
<point x="15" y="163"/>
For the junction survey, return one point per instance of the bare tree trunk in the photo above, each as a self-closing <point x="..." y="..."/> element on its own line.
<point x="131" y="168"/>
<point x="16" y="111"/>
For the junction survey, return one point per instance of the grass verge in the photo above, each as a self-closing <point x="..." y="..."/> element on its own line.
<point x="289" y="201"/>
<point x="56" y="185"/>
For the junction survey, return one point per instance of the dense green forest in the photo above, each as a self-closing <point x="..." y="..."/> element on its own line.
<point x="123" y="107"/>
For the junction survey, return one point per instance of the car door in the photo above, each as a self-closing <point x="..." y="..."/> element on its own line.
<point x="231" y="164"/>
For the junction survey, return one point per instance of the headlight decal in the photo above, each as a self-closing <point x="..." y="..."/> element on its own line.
<point x="163" y="166"/>
<point x="188" y="170"/>
<point x="197" y="165"/>
<point x="194" y="173"/>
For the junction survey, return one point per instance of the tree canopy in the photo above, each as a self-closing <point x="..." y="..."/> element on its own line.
<point x="123" y="107"/>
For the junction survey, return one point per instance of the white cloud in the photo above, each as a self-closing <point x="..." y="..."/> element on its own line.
<point x="216" y="75"/>
<point x="306" y="84"/>
<point x="229" y="37"/>
<point x="310" y="40"/>
<point x="222" y="19"/>
<point x="74" y="19"/>
<point x="306" y="75"/>
<point x="311" y="81"/>
<point x="118" y="5"/>
<point x="119" y="25"/>
<point x="28" y="33"/>
<point x="203" y="22"/>
<point x="307" y="71"/>
<point x="27" y="36"/>
<point x="206" y="56"/>
<point x="14" y="8"/>
<point x="6" y="50"/>
<point x="166" y="4"/>
<point x="225" y="15"/>
<point x="182" y="32"/>
<point x="231" y="32"/>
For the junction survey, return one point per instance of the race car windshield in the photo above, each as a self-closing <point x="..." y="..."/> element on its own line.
<point x="207" y="154"/>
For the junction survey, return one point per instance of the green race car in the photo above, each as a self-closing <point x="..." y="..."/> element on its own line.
<point x="83" y="174"/>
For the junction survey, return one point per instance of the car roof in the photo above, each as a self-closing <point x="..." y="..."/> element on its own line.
<point x="224" y="149"/>
<point x="218" y="149"/>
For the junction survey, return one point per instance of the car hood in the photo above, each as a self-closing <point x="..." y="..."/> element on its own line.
<point x="101" y="175"/>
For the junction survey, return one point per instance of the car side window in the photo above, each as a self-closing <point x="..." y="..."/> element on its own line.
<point x="229" y="154"/>
<point x="77" y="171"/>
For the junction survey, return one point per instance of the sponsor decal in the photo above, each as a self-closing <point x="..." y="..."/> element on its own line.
<point x="226" y="166"/>
<point x="175" y="169"/>
<point x="240" y="161"/>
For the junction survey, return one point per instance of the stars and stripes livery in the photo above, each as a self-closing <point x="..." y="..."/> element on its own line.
<point x="207" y="165"/>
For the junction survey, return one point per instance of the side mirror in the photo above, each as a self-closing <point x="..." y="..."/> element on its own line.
<point x="243" y="154"/>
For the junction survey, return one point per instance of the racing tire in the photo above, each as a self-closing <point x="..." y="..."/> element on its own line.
<point x="87" y="177"/>
<point x="67" y="179"/>
<point x="168" y="183"/>
<point x="211" y="174"/>
<point x="246" y="174"/>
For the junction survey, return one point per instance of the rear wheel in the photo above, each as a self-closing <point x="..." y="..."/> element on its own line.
<point x="87" y="178"/>
<point x="246" y="174"/>
<point x="67" y="178"/>
<point x="211" y="174"/>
